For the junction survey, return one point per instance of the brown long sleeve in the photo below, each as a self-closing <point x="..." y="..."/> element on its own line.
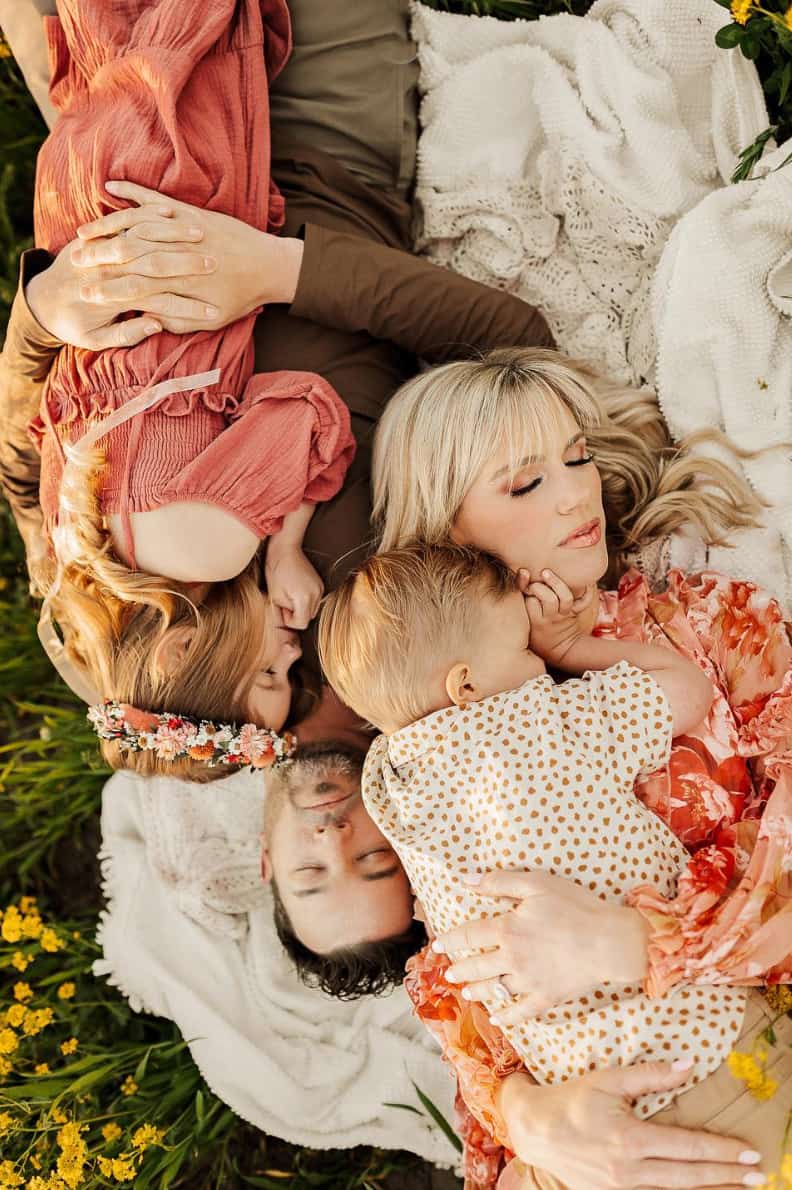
<point x="25" y="362"/>
<point x="352" y="284"/>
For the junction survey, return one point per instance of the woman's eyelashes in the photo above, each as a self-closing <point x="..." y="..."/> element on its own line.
<point x="530" y="487"/>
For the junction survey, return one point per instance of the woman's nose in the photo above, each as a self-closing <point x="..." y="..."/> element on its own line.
<point x="573" y="494"/>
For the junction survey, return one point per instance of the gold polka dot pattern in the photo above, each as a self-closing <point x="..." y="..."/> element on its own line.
<point x="542" y="778"/>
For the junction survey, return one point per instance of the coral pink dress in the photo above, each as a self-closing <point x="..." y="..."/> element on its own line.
<point x="174" y="96"/>
<point x="726" y="794"/>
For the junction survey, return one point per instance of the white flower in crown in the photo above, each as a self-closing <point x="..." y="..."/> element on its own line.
<point x="223" y="736"/>
<point x="146" y="741"/>
<point x="104" y="719"/>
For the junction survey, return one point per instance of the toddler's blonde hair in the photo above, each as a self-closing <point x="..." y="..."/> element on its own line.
<point x="442" y="427"/>
<point x="392" y="629"/>
<point x="112" y="620"/>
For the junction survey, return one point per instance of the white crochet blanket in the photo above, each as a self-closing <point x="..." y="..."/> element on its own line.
<point x="188" y="935"/>
<point x="557" y="157"/>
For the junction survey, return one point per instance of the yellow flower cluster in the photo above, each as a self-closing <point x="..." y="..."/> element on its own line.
<point x="750" y="1069"/>
<point x="788" y="17"/>
<point x="779" y="997"/>
<point x="783" y="1179"/>
<point x="74" y="1154"/>
<point x="9" y="1176"/>
<point x="5" y="48"/>
<point x="741" y="10"/>
<point x="69" y="1047"/>
<point x="129" y="1086"/>
<point x="111" y="1132"/>
<point x="67" y="991"/>
<point x="21" y="962"/>
<point x="6" y="1123"/>
<point x="121" y="1169"/>
<point x="146" y="1136"/>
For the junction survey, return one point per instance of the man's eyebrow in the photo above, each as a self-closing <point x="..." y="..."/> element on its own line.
<point x="530" y="459"/>
<point x="312" y="892"/>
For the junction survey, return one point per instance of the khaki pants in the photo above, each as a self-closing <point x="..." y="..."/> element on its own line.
<point x="721" y="1104"/>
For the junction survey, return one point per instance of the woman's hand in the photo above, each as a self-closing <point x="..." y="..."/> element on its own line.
<point x="247" y="267"/>
<point x="557" y="617"/>
<point x="558" y="942"/>
<point x="585" y="1134"/>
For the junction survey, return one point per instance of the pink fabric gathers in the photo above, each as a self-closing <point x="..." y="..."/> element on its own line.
<point x="175" y="97"/>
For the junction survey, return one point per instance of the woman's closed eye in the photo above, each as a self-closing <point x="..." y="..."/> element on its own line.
<point x="534" y="484"/>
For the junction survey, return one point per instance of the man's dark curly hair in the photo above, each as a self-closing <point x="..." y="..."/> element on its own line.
<point x="370" y="969"/>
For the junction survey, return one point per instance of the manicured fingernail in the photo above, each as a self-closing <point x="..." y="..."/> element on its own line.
<point x="545" y="574"/>
<point x="212" y="311"/>
<point x="495" y="1020"/>
<point x="194" y="232"/>
<point x="683" y="1064"/>
<point x="209" y="262"/>
<point x="112" y="187"/>
<point x="451" y="975"/>
<point x="164" y="210"/>
<point x="754" y="1178"/>
<point x="473" y="878"/>
<point x="749" y="1157"/>
<point x="467" y="994"/>
<point x="152" y="328"/>
<point x="438" y="947"/>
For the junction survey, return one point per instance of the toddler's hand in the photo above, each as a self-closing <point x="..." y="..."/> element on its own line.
<point x="557" y="618"/>
<point x="292" y="584"/>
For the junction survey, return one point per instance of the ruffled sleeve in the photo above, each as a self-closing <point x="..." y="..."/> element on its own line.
<point x="289" y="442"/>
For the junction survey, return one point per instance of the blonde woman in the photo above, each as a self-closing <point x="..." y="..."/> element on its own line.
<point x="530" y="456"/>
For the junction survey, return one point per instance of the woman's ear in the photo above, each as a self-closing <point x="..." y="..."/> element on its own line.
<point x="459" y="685"/>
<point x="171" y="651"/>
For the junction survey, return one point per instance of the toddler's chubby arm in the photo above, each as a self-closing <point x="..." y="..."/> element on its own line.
<point x="558" y="637"/>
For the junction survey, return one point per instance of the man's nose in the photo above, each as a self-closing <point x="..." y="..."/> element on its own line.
<point x="338" y="826"/>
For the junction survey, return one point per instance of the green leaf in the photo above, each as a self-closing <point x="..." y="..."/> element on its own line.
<point x="769" y="1035"/>
<point x="141" y="1067"/>
<point x="200" y="1106"/>
<point x="729" y="36"/>
<point x="750" y="45"/>
<point x="786" y="81"/>
<point x="439" y="1118"/>
<point x="404" y="1107"/>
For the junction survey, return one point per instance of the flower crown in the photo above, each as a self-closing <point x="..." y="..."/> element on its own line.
<point x="173" y="737"/>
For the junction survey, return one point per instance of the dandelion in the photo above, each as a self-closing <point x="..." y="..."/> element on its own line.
<point x="746" y="1068"/>
<point x="146" y="1136"/>
<point x="12" y="924"/>
<point x="741" y="10"/>
<point x="9" y="1042"/>
<point x="111" y="1132"/>
<point x="21" y="962"/>
<point x="41" y="1068"/>
<point x="15" y="1015"/>
<point x="66" y="991"/>
<point x="69" y="1047"/>
<point x="23" y="992"/>
<point x="129" y="1086"/>
<point x="51" y="942"/>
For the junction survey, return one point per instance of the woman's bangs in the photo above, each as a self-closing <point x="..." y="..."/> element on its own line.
<point x="531" y="422"/>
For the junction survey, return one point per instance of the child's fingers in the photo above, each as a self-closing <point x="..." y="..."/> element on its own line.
<point x="534" y="609"/>
<point x="562" y="592"/>
<point x="584" y="600"/>
<point x="546" y="596"/>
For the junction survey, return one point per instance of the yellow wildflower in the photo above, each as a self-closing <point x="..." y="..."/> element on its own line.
<point x="23" y="992"/>
<point x="27" y="905"/>
<point x="9" y="1042"/>
<point x="69" y="1047"/>
<point x="123" y="1170"/>
<point x="76" y="935"/>
<point x="9" y="1175"/>
<point x="129" y="1086"/>
<point x="20" y="961"/>
<point x="37" y="1020"/>
<point x="51" y="942"/>
<point x="12" y="924"/>
<point x="746" y="1068"/>
<point x="146" y="1136"/>
<point x="105" y="1166"/>
<point x="72" y="1160"/>
<point x="5" y="48"/>
<point x="31" y="925"/>
<point x="5" y="1067"/>
<point x="38" y="1183"/>
<point x="741" y="10"/>
<point x="35" y="1161"/>
<point x="111" y="1132"/>
<point x="66" y="991"/>
<point x="15" y="1015"/>
<point x="58" y="1116"/>
<point x="779" y="997"/>
<point x="41" y="1068"/>
<point x="6" y="1123"/>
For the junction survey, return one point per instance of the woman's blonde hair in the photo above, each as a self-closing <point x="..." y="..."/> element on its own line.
<point x="113" y="621"/>
<point x="441" y="428"/>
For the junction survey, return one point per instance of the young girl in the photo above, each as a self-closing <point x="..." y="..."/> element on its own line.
<point x="515" y="454"/>
<point x="165" y="463"/>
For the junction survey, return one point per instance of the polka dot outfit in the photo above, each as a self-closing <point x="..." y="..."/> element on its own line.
<point x="542" y="778"/>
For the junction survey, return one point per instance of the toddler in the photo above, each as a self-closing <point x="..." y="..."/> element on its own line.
<point x="486" y="762"/>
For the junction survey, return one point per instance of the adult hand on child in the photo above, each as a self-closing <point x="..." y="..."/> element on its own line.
<point x="559" y="941"/>
<point x="557" y="617"/>
<point x="584" y="1133"/>
<point x="246" y="267"/>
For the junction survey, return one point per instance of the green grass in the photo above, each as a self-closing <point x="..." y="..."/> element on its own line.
<point x="50" y="784"/>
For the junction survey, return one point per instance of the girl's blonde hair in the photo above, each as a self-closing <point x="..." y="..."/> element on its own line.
<point x="441" y="428"/>
<point x="113" y="621"/>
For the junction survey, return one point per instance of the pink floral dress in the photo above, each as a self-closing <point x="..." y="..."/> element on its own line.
<point x="727" y="795"/>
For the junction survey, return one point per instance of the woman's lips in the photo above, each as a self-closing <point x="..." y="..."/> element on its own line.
<point x="587" y="535"/>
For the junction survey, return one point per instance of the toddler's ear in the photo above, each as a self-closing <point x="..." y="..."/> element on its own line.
<point x="171" y="650"/>
<point x="459" y="685"/>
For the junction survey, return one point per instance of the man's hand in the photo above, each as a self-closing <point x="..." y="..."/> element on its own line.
<point x="559" y="941"/>
<point x="241" y="267"/>
<point x="586" y="1135"/>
